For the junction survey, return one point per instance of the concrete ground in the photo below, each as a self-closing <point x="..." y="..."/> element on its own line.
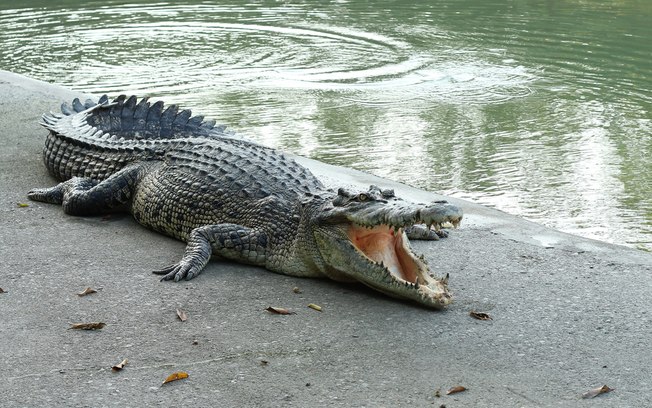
<point x="569" y="314"/>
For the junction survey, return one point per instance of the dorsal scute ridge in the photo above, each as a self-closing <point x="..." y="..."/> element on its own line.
<point x="134" y="119"/>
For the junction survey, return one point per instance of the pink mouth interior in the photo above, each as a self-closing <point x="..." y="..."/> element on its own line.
<point x="381" y="244"/>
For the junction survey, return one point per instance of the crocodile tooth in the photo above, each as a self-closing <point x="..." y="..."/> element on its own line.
<point x="445" y="280"/>
<point x="437" y="226"/>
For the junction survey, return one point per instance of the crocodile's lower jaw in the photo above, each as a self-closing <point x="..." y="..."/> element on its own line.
<point x="406" y="275"/>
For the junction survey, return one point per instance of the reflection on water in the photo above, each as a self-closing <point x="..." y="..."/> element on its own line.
<point x="539" y="109"/>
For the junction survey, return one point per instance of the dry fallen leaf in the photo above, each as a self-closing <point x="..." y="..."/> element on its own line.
<point x="179" y="375"/>
<point x="455" y="390"/>
<point x="296" y="289"/>
<point x="264" y="362"/>
<point x="87" y="291"/>
<point x="182" y="315"/>
<point x="279" y="310"/>
<point x="315" y="307"/>
<point x="2" y="290"/>
<point x="88" y="326"/>
<point x="597" y="391"/>
<point x="479" y="315"/>
<point x="22" y="205"/>
<point x="120" y="366"/>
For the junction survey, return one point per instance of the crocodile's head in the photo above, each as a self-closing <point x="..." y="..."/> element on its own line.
<point x="361" y="236"/>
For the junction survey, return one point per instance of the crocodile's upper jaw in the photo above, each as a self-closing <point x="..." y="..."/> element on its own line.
<point x="381" y="258"/>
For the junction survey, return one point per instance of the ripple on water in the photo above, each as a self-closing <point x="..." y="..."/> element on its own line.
<point x="113" y="49"/>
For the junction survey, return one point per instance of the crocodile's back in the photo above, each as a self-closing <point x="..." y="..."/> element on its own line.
<point x="243" y="168"/>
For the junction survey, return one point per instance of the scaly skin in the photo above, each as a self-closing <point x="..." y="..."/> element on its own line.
<point x="186" y="178"/>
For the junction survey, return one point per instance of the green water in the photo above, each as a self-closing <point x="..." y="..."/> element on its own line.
<point x="539" y="108"/>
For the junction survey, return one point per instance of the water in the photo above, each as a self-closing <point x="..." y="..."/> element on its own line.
<point x="539" y="108"/>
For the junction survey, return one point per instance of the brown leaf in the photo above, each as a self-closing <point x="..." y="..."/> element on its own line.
<point x="479" y="315"/>
<point x="22" y="205"/>
<point x="296" y="289"/>
<point x="2" y="290"/>
<point x="182" y="315"/>
<point x="597" y="391"/>
<point x="120" y="365"/>
<point x="179" y="375"/>
<point x="279" y="310"/>
<point x="315" y="307"/>
<point x="88" y="326"/>
<point x="87" y="291"/>
<point x="455" y="390"/>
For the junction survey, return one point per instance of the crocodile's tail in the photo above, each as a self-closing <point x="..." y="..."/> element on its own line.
<point x="96" y="139"/>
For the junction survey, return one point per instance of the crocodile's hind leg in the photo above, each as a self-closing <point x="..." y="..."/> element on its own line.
<point x="230" y="241"/>
<point x="83" y="196"/>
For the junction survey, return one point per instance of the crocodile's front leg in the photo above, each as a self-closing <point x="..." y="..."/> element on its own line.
<point x="421" y="232"/>
<point x="84" y="196"/>
<point x="230" y="241"/>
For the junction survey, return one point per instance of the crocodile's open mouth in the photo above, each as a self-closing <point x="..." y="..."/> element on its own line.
<point x="386" y="246"/>
<point x="388" y="252"/>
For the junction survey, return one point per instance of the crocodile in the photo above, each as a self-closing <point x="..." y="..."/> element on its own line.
<point x="223" y="195"/>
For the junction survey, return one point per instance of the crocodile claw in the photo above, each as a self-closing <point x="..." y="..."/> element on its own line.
<point x="178" y="271"/>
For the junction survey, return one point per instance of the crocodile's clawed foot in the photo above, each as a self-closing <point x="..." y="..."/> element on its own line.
<point x="421" y="232"/>
<point x="52" y="195"/>
<point x="178" y="271"/>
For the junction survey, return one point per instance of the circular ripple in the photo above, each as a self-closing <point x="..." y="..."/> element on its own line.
<point x="166" y="50"/>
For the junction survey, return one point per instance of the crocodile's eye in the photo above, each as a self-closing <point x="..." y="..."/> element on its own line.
<point x="363" y="197"/>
